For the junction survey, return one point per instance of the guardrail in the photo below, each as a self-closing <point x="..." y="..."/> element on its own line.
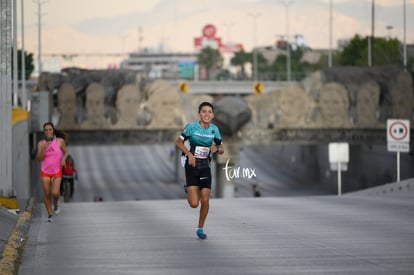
<point x="228" y="87"/>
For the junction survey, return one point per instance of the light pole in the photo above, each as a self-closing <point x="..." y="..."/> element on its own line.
<point x="228" y="27"/>
<point x="371" y="38"/>
<point x="254" y="17"/>
<point x="24" y="92"/>
<point x="405" y="44"/>
<point x="330" y="35"/>
<point x="39" y="38"/>
<point x="286" y="4"/>
<point x="123" y="37"/>
<point x="389" y="28"/>
<point x="15" y="68"/>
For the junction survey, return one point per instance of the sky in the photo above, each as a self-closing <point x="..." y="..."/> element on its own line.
<point x="95" y="28"/>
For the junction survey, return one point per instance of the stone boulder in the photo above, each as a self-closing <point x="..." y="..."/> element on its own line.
<point x="231" y="113"/>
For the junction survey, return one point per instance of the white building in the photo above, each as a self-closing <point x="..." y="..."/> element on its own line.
<point x="161" y="64"/>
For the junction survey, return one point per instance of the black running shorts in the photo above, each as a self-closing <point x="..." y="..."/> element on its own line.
<point x="200" y="177"/>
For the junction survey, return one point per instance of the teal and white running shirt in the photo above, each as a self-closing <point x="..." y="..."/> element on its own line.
<point x="200" y="136"/>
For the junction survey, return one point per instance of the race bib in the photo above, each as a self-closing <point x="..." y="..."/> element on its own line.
<point x="201" y="152"/>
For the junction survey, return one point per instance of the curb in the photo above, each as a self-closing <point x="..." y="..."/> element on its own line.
<point x="14" y="247"/>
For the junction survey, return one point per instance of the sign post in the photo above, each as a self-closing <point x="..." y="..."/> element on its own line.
<point x="339" y="158"/>
<point x="398" y="138"/>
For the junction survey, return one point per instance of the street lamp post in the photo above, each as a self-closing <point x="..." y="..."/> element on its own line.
<point x="286" y="4"/>
<point x="254" y="17"/>
<point x="372" y="37"/>
<point x="15" y="68"/>
<point x="330" y="35"/>
<point x="39" y="38"/>
<point x="389" y="28"/>
<point x="405" y="43"/>
<point x="23" y="59"/>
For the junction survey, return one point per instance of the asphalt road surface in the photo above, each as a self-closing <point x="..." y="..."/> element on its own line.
<point x="292" y="235"/>
<point x="147" y="172"/>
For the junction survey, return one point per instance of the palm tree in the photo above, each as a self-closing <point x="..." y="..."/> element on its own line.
<point x="211" y="59"/>
<point x="240" y="58"/>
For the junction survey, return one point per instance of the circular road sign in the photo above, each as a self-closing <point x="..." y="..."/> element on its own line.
<point x="398" y="131"/>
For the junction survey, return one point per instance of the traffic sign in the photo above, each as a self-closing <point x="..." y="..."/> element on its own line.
<point x="338" y="152"/>
<point x="398" y="130"/>
<point x="398" y="147"/>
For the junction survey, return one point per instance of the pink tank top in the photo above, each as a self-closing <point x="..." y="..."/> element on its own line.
<point x="52" y="158"/>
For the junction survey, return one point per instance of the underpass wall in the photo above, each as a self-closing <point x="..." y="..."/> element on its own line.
<point x="369" y="166"/>
<point x="21" y="156"/>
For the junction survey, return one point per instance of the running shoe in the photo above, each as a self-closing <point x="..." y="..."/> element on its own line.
<point x="200" y="233"/>
<point x="50" y="218"/>
<point x="57" y="209"/>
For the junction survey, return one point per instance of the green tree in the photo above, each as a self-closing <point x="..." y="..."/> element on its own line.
<point x="384" y="51"/>
<point x="29" y="64"/>
<point x="241" y="58"/>
<point x="262" y="66"/>
<point x="296" y="67"/>
<point x="211" y="59"/>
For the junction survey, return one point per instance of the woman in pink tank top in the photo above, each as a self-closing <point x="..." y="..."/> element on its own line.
<point x="51" y="152"/>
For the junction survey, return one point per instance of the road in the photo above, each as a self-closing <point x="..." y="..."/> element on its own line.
<point x="291" y="235"/>
<point x="146" y="172"/>
<point x="144" y="225"/>
<point x="125" y="172"/>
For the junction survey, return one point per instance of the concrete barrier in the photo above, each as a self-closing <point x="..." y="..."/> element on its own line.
<point x="401" y="188"/>
<point x="20" y="162"/>
<point x="12" y="252"/>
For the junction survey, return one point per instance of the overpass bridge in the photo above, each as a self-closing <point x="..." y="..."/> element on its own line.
<point x="315" y="136"/>
<point x="227" y="87"/>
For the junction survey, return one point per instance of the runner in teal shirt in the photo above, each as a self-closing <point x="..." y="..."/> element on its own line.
<point x="204" y="139"/>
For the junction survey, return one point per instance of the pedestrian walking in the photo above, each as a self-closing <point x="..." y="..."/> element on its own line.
<point x="51" y="152"/>
<point x="69" y="174"/>
<point x="205" y="139"/>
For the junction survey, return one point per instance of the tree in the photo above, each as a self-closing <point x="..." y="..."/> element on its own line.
<point x="29" y="64"/>
<point x="297" y="68"/>
<point x="211" y="59"/>
<point x="385" y="51"/>
<point x="262" y="66"/>
<point x="240" y="58"/>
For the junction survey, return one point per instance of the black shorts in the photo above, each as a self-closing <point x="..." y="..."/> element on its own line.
<point x="198" y="176"/>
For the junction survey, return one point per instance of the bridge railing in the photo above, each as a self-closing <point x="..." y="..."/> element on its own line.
<point x="227" y="87"/>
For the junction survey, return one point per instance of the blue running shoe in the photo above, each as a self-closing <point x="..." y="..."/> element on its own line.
<point x="200" y="233"/>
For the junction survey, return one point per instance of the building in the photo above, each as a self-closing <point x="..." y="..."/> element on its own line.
<point x="165" y="65"/>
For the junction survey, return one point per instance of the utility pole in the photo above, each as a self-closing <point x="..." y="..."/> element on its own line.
<point x="23" y="75"/>
<point x="140" y="38"/>
<point x="330" y="35"/>
<point x="389" y="28"/>
<point x="39" y="37"/>
<point x="372" y="37"/>
<point x="405" y="42"/>
<point x="287" y="4"/>
<point x="254" y="17"/>
<point x="228" y="27"/>
<point x="15" y="67"/>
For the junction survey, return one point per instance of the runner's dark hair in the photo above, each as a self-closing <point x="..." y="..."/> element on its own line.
<point x="205" y="103"/>
<point x="57" y="133"/>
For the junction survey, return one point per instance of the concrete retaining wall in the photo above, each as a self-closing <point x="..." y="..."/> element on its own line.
<point x="21" y="162"/>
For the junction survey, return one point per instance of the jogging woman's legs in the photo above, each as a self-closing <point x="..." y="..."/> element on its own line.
<point x="205" y="205"/>
<point x="56" y="190"/>
<point x="193" y="196"/>
<point x="46" y="182"/>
